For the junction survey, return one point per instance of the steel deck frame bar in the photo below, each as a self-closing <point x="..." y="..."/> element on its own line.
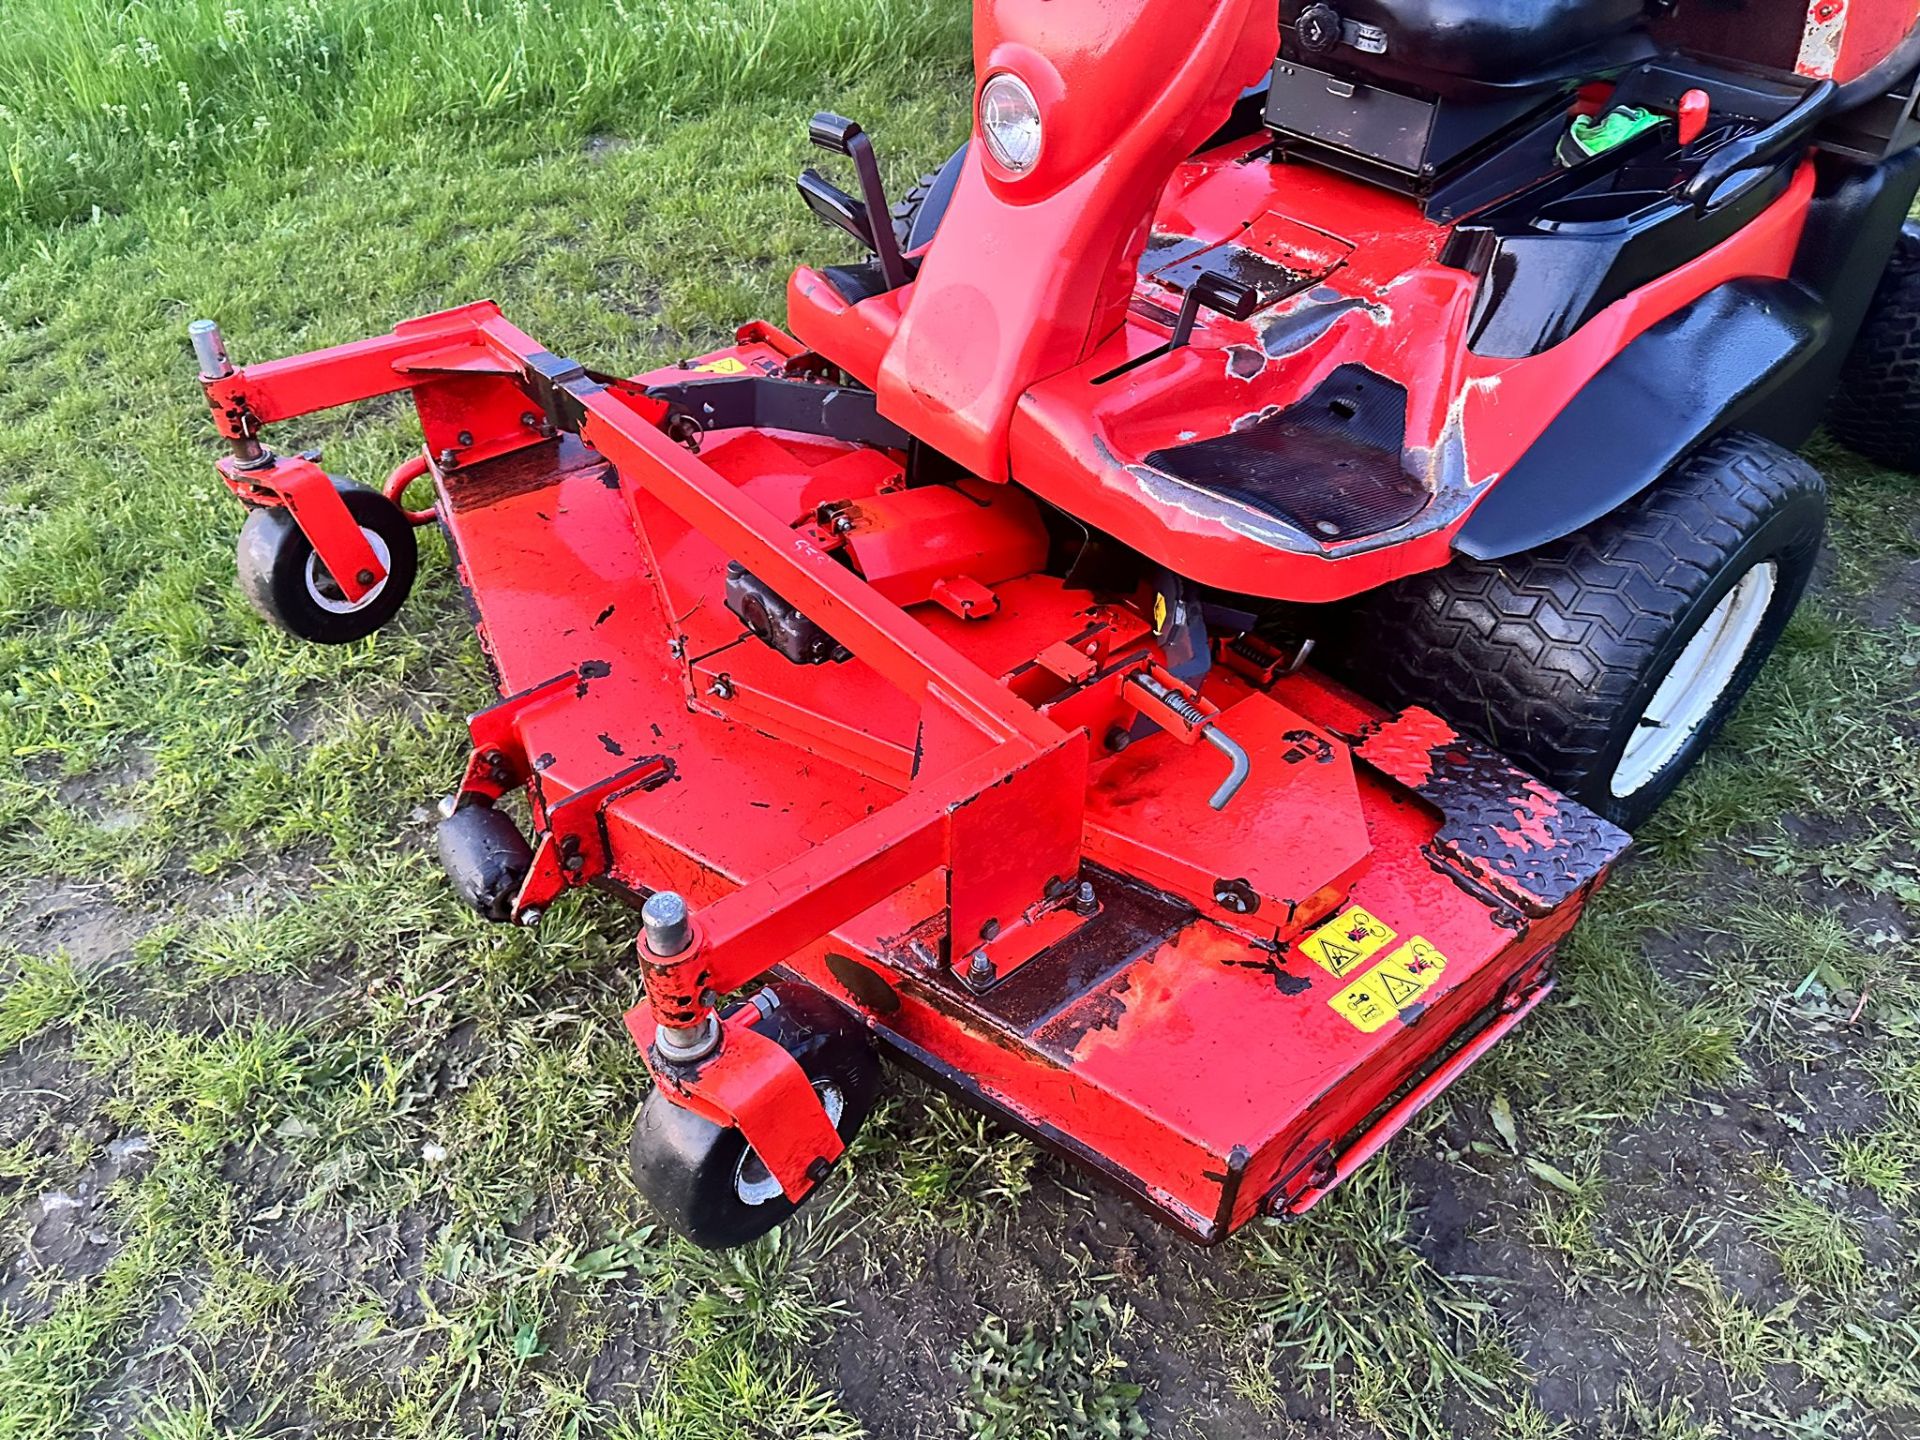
<point x="979" y="737"/>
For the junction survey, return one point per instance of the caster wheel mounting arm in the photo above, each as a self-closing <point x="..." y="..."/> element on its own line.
<point x="750" y="1083"/>
<point x="728" y="1146"/>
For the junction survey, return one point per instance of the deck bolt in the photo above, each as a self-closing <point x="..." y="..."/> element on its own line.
<point x="721" y="688"/>
<point x="365" y="577"/>
<point x="465" y="437"/>
<point x="529" y="420"/>
<point x="530" y="917"/>
<point x="1118" y="739"/>
<point x="449" y="459"/>
<point x="980" y="972"/>
<point x="665" y="925"/>
<point x="1084" y="900"/>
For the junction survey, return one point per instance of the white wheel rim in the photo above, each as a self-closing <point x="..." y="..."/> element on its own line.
<point x="1696" y="682"/>
<point x="325" y="591"/>
<point x="753" y="1182"/>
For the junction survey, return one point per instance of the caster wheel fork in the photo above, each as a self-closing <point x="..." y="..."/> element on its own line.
<point x="286" y="583"/>
<point x="703" y="1178"/>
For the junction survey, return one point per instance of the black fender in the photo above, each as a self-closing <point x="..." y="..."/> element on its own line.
<point x="1853" y="223"/>
<point x="1702" y="370"/>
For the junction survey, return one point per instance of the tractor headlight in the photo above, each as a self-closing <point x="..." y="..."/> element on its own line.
<point x="1010" y="122"/>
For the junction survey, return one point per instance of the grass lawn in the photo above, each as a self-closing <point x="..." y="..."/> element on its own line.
<point x="290" y="1144"/>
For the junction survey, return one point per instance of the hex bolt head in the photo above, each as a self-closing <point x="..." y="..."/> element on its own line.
<point x="530" y="917"/>
<point x="980" y="972"/>
<point x="666" y="927"/>
<point x="1084" y="900"/>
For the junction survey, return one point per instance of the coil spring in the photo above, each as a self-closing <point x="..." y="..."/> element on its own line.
<point x="1183" y="707"/>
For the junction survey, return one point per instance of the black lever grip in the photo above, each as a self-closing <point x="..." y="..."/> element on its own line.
<point x="832" y="132"/>
<point x="1762" y="147"/>
<point x="1226" y="296"/>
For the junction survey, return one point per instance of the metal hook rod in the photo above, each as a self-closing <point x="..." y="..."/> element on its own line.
<point x="1242" y="767"/>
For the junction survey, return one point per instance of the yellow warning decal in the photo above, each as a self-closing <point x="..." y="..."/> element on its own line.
<point x="725" y="365"/>
<point x="1346" y="942"/>
<point x="1391" y="986"/>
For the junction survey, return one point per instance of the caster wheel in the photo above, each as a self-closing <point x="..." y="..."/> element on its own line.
<point x="285" y="582"/>
<point x="486" y="859"/>
<point x="703" y="1179"/>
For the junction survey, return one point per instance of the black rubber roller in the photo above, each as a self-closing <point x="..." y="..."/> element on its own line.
<point x="486" y="857"/>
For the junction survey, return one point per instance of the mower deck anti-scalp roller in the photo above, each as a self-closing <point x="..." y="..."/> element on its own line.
<point x="936" y="674"/>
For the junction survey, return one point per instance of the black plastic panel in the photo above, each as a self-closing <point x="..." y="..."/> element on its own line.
<point x="1470" y="47"/>
<point x="1332" y="466"/>
<point x="1678" y="384"/>
<point x="1852" y="226"/>
<point x="1385" y="134"/>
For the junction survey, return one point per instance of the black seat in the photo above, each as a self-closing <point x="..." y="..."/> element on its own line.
<point x="1467" y="49"/>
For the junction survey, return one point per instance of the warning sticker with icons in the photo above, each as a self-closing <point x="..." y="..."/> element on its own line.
<point x="1391" y="986"/>
<point x="725" y="365"/>
<point x="1346" y="942"/>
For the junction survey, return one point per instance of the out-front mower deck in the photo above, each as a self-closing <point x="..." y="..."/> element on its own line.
<point x="1223" y="1010"/>
<point x="949" y="660"/>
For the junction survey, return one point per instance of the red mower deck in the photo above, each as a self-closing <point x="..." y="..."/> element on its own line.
<point x="950" y="660"/>
<point x="1161" y="1047"/>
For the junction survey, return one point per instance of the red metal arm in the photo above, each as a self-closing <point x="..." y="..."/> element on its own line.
<point x="997" y="799"/>
<point x="257" y="395"/>
<point x="989" y="759"/>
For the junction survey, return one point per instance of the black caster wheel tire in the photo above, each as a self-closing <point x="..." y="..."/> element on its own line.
<point x="1605" y="663"/>
<point x="1875" y="410"/>
<point x="286" y="583"/>
<point x="703" y="1179"/>
<point x="486" y="858"/>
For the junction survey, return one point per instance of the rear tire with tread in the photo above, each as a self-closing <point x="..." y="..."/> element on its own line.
<point x="1554" y="656"/>
<point x="1875" y="411"/>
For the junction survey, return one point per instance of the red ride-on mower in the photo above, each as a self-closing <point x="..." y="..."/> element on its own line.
<point x="947" y="658"/>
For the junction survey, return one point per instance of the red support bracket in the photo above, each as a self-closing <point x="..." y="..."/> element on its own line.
<point x="751" y="1084"/>
<point x="573" y="844"/>
<point x="307" y="493"/>
<point x="498" y="761"/>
